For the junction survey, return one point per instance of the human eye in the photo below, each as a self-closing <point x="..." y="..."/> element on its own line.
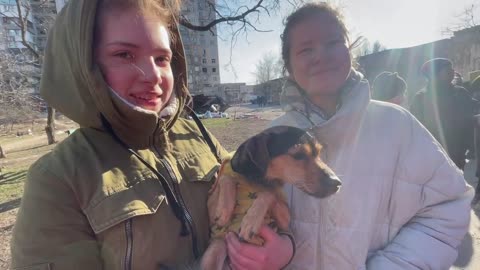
<point x="306" y="50"/>
<point x="124" y="55"/>
<point x="335" y="42"/>
<point x="163" y="60"/>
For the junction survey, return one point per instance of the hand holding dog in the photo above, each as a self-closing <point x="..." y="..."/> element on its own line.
<point x="274" y="254"/>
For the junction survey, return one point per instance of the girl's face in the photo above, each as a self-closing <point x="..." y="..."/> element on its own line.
<point x="319" y="55"/>
<point x="133" y="52"/>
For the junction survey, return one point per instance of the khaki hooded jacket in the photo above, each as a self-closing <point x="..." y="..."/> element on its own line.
<point x="92" y="204"/>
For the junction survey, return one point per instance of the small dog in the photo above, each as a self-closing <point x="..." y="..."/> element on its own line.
<point x="250" y="187"/>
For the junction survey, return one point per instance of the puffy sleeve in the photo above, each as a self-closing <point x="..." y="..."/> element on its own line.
<point x="434" y="215"/>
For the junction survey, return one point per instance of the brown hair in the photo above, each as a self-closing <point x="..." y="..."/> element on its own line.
<point x="162" y="8"/>
<point x="305" y="12"/>
<point x="165" y="10"/>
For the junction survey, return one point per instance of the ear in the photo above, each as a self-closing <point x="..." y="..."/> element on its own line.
<point x="252" y="157"/>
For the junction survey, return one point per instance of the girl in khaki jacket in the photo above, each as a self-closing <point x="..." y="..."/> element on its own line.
<point x="127" y="190"/>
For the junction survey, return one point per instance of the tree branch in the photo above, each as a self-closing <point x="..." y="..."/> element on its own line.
<point x="241" y="17"/>
<point x="23" y="27"/>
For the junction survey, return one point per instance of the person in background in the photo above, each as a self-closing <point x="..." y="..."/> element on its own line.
<point x="403" y="203"/>
<point x="457" y="79"/>
<point x="389" y="87"/>
<point x="475" y="91"/>
<point x="445" y="110"/>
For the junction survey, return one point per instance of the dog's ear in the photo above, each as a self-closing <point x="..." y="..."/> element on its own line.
<point x="282" y="138"/>
<point x="252" y="157"/>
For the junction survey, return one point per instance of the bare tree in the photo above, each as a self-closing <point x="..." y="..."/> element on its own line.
<point x="43" y="12"/>
<point x="269" y="67"/>
<point x="365" y="47"/>
<point x="378" y="47"/>
<point x="241" y="15"/>
<point x="467" y="18"/>
<point x="16" y="87"/>
<point x="232" y="20"/>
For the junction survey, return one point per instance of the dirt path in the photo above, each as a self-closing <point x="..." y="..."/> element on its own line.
<point x="7" y="220"/>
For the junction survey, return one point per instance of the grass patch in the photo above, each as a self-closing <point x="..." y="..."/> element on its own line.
<point x="216" y="122"/>
<point x="11" y="186"/>
<point x="7" y="138"/>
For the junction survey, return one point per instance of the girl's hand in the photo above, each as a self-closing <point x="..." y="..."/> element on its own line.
<point x="275" y="253"/>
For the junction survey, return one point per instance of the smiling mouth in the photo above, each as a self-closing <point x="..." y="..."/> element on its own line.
<point x="323" y="71"/>
<point x="146" y="100"/>
<point x="146" y="97"/>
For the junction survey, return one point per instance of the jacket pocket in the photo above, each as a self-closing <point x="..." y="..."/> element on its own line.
<point x="201" y="167"/>
<point x="143" y="198"/>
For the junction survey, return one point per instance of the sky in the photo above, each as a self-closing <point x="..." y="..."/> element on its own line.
<point x="394" y="23"/>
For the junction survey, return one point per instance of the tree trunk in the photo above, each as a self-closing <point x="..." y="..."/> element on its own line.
<point x="50" y="128"/>
<point x="2" y="154"/>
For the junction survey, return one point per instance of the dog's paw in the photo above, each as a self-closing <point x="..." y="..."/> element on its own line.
<point x="227" y="201"/>
<point x="250" y="227"/>
<point x="224" y="217"/>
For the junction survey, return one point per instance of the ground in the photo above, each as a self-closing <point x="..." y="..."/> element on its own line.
<point x="244" y="121"/>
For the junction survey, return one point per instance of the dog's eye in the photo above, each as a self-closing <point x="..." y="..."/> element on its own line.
<point x="300" y="156"/>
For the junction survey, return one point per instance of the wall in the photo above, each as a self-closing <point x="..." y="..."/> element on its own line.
<point x="463" y="48"/>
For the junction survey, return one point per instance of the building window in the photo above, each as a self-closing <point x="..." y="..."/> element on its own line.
<point x="204" y="60"/>
<point x="214" y="69"/>
<point x="214" y="60"/>
<point x="204" y="70"/>
<point x="197" y="69"/>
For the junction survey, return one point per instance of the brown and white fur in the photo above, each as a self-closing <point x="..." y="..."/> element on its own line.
<point x="264" y="163"/>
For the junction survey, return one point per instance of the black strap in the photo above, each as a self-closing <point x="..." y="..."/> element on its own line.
<point x="205" y="134"/>
<point x="172" y="199"/>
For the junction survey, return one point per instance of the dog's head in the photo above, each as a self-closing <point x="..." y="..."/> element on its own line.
<point x="284" y="154"/>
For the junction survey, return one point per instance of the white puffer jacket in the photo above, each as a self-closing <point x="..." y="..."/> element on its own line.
<point x="403" y="203"/>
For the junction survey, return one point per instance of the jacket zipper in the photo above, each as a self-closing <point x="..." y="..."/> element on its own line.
<point x="129" y="248"/>
<point x="188" y="216"/>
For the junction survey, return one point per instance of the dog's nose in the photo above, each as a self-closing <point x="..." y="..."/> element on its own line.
<point x="333" y="184"/>
<point x="334" y="181"/>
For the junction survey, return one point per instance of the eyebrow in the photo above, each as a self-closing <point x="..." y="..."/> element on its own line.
<point x="333" y="37"/>
<point x="121" y="43"/>
<point x="305" y="43"/>
<point x="134" y="46"/>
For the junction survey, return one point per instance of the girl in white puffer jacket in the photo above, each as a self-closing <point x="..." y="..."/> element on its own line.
<point x="403" y="203"/>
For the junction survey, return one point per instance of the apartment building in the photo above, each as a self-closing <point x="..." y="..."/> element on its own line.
<point x="201" y="47"/>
